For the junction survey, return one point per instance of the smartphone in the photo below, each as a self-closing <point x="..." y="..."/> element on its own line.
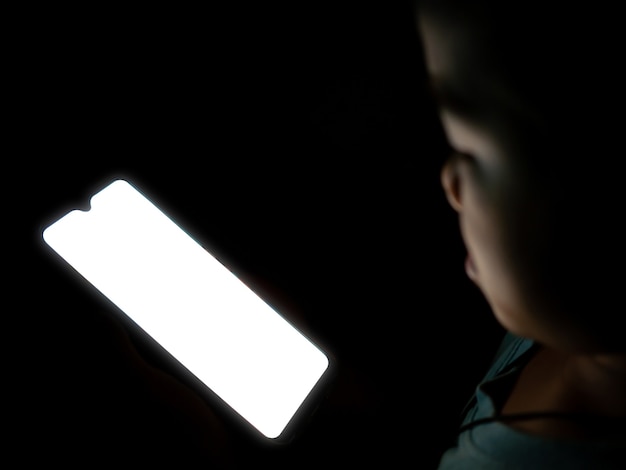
<point x="212" y="324"/>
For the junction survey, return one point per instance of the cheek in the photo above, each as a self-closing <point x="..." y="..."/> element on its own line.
<point x="490" y="238"/>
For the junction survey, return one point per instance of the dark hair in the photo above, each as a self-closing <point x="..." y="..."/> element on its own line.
<point x="561" y="61"/>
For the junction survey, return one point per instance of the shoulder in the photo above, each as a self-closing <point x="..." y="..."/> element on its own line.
<point x="487" y="443"/>
<point x="496" y="446"/>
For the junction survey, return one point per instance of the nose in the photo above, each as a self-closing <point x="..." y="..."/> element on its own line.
<point x="450" y="180"/>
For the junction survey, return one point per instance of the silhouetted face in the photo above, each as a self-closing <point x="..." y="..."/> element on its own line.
<point x="510" y="211"/>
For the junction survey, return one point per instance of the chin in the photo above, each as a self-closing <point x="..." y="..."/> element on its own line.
<point x="511" y="320"/>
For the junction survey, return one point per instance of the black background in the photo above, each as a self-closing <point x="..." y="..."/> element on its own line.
<point x="299" y="143"/>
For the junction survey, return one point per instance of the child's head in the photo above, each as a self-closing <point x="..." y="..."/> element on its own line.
<point x="529" y="99"/>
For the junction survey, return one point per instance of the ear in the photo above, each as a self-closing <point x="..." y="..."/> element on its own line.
<point x="451" y="182"/>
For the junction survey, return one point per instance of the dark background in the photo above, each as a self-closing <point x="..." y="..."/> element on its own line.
<point x="299" y="142"/>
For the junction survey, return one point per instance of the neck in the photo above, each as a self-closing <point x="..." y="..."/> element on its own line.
<point x="598" y="382"/>
<point x="558" y="382"/>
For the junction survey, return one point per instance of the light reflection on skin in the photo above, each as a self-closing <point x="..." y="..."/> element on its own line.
<point x="506" y="214"/>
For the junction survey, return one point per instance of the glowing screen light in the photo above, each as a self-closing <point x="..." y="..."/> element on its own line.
<point x="191" y="305"/>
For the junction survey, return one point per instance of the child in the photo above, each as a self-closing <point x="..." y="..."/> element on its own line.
<point x="524" y="98"/>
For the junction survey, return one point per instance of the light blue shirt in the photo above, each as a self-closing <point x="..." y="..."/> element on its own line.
<point x="495" y="445"/>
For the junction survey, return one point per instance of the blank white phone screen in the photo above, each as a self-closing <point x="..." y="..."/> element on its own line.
<point x="193" y="306"/>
